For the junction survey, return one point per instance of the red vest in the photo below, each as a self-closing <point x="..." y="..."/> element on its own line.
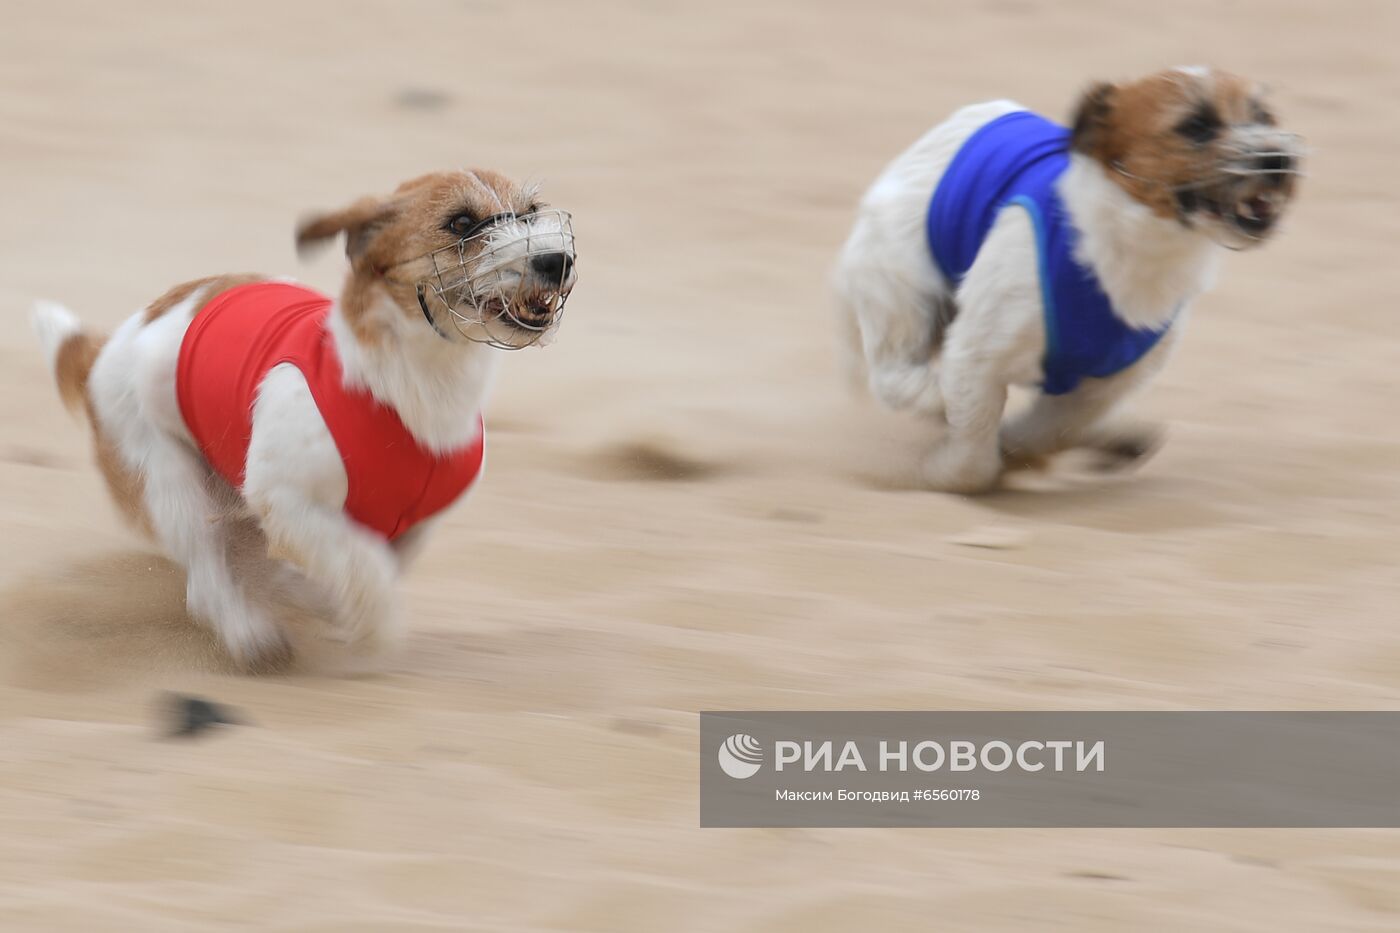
<point x="244" y="332"/>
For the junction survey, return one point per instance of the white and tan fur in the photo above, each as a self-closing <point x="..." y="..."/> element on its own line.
<point x="434" y="377"/>
<point x="953" y="354"/>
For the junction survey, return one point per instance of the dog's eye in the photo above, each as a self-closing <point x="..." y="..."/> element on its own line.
<point x="1201" y="127"/>
<point x="462" y="224"/>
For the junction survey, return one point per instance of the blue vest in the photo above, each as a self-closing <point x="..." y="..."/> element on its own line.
<point x="1017" y="159"/>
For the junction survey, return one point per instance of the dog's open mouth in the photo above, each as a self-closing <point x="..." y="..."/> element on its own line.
<point x="530" y="313"/>
<point x="1253" y="212"/>
<point x="1255" y="215"/>
<point x="1248" y="200"/>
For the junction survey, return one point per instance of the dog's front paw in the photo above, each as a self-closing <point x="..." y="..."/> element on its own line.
<point x="1122" y="446"/>
<point x="958" y="468"/>
<point x="252" y="638"/>
<point x="369" y="621"/>
<point x="908" y="387"/>
<point x="257" y="644"/>
<point x="380" y="638"/>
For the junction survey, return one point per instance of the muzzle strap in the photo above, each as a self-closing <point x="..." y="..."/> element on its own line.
<point x="428" y="315"/>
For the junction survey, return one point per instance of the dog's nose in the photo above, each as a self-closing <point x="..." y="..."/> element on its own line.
<point x="554" y="266"/>
<point x="1276" y="162"/>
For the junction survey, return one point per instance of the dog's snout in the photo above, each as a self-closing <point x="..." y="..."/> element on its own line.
<point x="555" y="266"/>
<point x="1276" y="163"/>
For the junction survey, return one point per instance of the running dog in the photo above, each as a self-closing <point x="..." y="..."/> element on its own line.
<point x="1002" y="249"/>
<point x="342" y="427"/>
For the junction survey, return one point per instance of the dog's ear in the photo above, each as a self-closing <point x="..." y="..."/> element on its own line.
<point x="358" y="222"/>
<point x="1092" y="117"/>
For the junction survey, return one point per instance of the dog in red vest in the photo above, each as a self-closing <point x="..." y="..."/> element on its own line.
<point x="343" y="427"/>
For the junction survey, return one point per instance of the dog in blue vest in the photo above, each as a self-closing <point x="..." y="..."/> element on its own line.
<point x="1003" y="249"/>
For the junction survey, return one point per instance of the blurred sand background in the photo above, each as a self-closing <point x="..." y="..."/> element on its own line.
<point x="684" y="509"/>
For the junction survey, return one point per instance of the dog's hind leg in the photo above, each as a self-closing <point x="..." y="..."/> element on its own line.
<point x="187" y="520"/>
<point x="906" y="375"/>
<point x="894" y="328"/>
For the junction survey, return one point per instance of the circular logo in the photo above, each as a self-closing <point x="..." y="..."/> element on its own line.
<point x="741" y="756"/>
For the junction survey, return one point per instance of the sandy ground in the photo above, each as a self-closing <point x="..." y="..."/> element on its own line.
<point x="684" y="508"/>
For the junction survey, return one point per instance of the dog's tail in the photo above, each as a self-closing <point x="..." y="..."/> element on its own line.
<point x="71" y="351"/>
